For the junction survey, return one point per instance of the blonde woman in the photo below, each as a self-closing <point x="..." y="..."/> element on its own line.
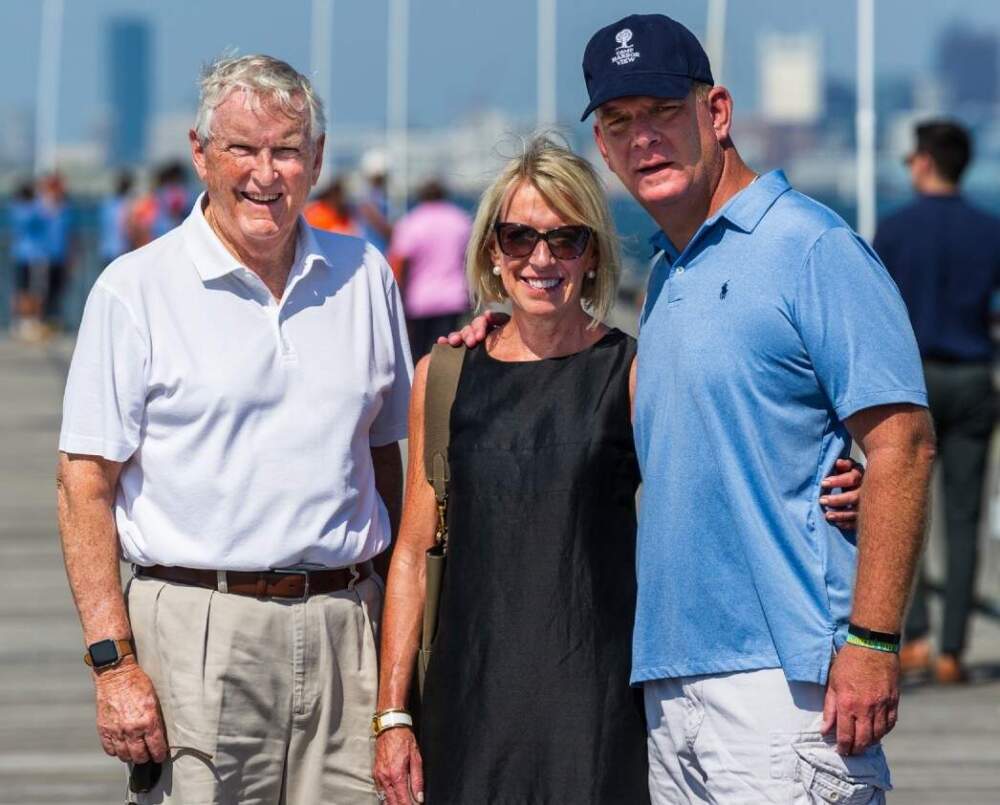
<point x="527" y="696"/>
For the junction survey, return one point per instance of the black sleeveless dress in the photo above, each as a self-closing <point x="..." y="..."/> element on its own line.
<point x="527" y="700"/>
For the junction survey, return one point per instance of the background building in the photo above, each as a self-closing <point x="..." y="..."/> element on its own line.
<point x="791" y="78"/>
<point x="968" y="62"/>
<point x="129" y="45"/>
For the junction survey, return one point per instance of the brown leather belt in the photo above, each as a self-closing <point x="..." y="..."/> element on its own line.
<point x="283" y="583"/>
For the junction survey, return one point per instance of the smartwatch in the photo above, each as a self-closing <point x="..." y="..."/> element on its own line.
<point x="107" y="653"/>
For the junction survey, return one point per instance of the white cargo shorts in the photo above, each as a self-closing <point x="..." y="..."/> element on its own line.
<point x="751" y="737"/>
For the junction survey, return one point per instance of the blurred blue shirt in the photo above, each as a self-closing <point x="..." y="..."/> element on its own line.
<point x="772" y="327"/>
<point x="380" y="202"/>
<point x="113" y="223"/>
<point x="944" y="255"/>
<point x="28" y="232"/>
<point x="58" y="228"/>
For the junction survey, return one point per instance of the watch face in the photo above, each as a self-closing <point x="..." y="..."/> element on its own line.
<point x="104" y="653"/>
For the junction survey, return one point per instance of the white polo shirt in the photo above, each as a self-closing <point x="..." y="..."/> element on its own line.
<point x="245" y="423"/>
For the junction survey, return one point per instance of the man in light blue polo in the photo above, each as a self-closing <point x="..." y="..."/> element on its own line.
<point x="771" y="337"/>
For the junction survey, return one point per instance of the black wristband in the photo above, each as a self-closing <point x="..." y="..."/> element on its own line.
<point x="869" y="634"/>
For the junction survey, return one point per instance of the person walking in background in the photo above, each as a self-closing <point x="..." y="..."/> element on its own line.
<point x="944" y="255"/>
<point x="427" y="252"/>
<point x="373" y="206"/>
<point x="29" y="252"/>
<point x="113" y="220"/>
<point x="330" y="211"/>
<point x="163" y="208"/>
<point x="58" y="217"/>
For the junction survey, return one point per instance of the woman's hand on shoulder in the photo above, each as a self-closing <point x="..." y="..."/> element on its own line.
<point x="399" y="769"/>
<point x="842" y="509"/>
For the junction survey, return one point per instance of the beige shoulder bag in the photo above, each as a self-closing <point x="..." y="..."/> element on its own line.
<point x="442" y="383"/>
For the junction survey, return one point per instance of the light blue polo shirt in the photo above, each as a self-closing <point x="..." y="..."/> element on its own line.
<point x="772" y="327"/>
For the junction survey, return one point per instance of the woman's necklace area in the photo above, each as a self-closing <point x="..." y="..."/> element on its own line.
<point x="509" y="351"/>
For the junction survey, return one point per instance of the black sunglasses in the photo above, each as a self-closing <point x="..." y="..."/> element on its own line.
<point x="518" y="240"/>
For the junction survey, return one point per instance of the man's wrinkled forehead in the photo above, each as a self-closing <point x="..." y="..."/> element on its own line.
<point x="632" y="103"/>
<point x="245" y="114"/>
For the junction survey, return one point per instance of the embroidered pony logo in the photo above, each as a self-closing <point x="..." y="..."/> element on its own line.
<point x="724" y="290"/>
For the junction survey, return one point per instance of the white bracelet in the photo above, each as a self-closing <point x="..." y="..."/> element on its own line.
<point x="390" y="719"/>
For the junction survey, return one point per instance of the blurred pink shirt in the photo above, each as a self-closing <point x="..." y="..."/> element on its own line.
<point x="432" y="239"/>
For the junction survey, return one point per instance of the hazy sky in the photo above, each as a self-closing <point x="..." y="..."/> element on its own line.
<point x="464" y="54"/>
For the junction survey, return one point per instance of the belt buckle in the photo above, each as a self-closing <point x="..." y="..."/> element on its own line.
<point x="295" y="571"/>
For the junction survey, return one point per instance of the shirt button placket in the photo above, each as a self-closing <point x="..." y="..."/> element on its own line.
<point x="284" y="347"/>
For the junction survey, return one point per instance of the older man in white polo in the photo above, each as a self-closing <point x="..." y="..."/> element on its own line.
<point x="230" y="427"/>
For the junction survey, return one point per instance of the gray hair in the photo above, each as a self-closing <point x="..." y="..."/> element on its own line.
<point x="260" y="78"/>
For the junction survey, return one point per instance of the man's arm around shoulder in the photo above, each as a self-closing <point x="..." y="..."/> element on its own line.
<point x="863" y="691"/>
<point x="128" y="715"/>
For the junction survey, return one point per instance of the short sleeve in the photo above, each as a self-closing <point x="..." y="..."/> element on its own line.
<point x="390" y="424"/>
<point x="105" y="398"/>
<point x="855" y="328"/>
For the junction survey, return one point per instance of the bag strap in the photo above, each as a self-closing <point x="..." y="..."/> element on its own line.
<point x="442" y="383"/>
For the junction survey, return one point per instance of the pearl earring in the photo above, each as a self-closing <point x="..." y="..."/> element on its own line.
<point x="497" y="271"/>
<point x="591" y="274"/>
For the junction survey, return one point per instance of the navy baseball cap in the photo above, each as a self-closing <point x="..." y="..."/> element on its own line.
<point x="643" y="54"/>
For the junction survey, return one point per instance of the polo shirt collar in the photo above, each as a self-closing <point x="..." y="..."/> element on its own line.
<point x="213" y="260"/>
<point x="744" y="210"/>
<point x="307" y="255"/>
<point x="661" y="243"/>
<point x="307" y="250"/>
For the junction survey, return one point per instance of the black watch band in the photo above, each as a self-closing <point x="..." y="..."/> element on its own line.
<point x="869" y="638"/>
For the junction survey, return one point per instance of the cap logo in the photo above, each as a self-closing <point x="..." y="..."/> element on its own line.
<point x="624" y="53"/>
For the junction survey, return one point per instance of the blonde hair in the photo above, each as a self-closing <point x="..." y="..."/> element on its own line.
<point x="572" y="188"/>
<point x="260" y="78"/>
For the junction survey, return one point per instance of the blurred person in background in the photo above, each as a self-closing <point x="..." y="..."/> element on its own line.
<point x="330" y="210"/>
<point x="58" y="217"/>
<point x="163" y="208"/>
<point x="373" y="206"/>
<point x="230" y="427"/>
<point x="944" y="255"/>
<point x="29" y="253"/>
<point x="427" y="254"/>
<point x="113" y="219"/>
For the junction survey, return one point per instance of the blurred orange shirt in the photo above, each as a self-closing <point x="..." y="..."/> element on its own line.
<point x="324" y="216"/>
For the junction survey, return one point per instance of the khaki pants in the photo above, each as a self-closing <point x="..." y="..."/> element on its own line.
<point x="266" y="702"/>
